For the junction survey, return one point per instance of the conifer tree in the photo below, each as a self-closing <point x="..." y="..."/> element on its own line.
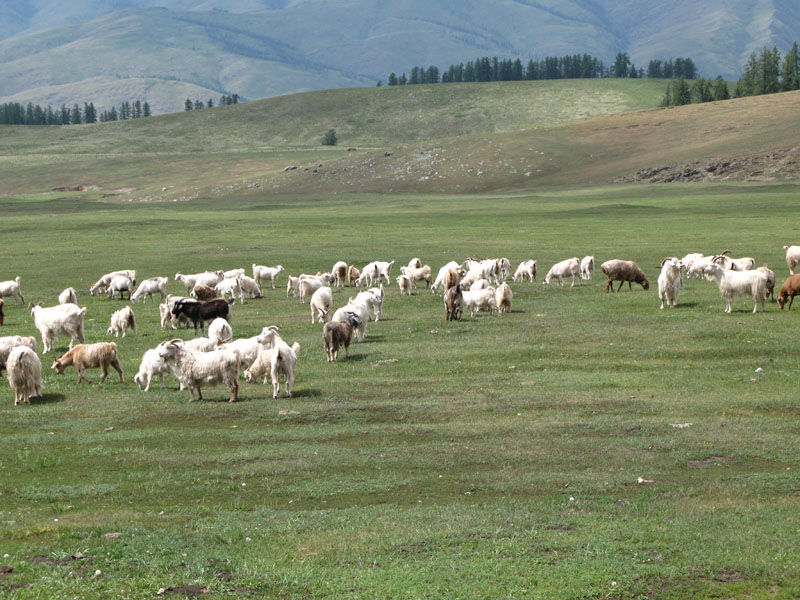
<point x="790" y="71"/>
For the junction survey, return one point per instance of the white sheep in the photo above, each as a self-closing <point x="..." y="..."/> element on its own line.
<point x="220" y="331"/>
<point x="250" y="287"/>
<point x="68" y="296"/>
<point x="11" y="288"/>
<point x="526" y="270"/>
<point x="569" y="267"/>
<point x="121" y="284"/>
<point x="148" y="287"/>
<point x="404" y="283"/>
<point x="198" y="369"/>
<point x="670" y="281"/>
<point x="262" y="273"/>
<point x="230" y="287"/>
<point x="8" y="343"/>
<point x="121" y="320"/>
<point x="64" y="320"/>
<point x="438" y="283"/>
<point x="503" y="296"/>
<point x="792" y="257"/>
<point x="24" y="374"/>
<point x="321" y="303"/>
<point x="736" y="283"/>
<point x="587" y="267"/>
<point x="473" y="301"/>
<point x="283" y="359"/>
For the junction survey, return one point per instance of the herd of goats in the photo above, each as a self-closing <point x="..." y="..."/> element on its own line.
<point x="219" y="359"/>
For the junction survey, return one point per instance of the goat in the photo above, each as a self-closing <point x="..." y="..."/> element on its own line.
<point x="352" y="275"/>
<point x="587" y="267"/>
<point x="24" y="374"/>
<point x="503" y="268"/>
<point x="417" y="274"/>
<point x="622" y="271"/>
<point x="220" y="331"/>
<point x="560" y="270"/>
<point x="232" y="287"/>
<point x="148" y="287"/>
<point x="309" y="285"/>
<point x="282" y="361"/>
<point x="439" y="282"/>
<point x="669" y="281"/>
<point x="503" y="296"/>
<point x="293" y="287"/>
<point x="321" y="303"/>
<point x="373" y="298"/>
<point x="2" y="316"/>
<point x="250" y="287"/>
<point x="789" y="289"/>
<point x="339" y="333"/>
<point x="770" y="281"/>
<point x="68" y="296"/>
<point x="246" y="349"/>
<point x="734" y="264"/>
<point x="203" y="293"/>
<point x="404" y="283"/>
<point x="792" y="257"/>
<point x="199" y="369"/>
<point x="475" y="301"/>
<point x="339" y="272"/>
<point x="360" y="310"/>
<point x="8" y="343"/>
<point x="232" y="274"/>
<point x="90" y="356"/>
<point x="121" y="284"/>
<point x="452" y="303"/>
<point x="166" y="312"/>
<point x="525" y="270"/>
<point x="121" y="320"/>
<point x="101" y="284"/>
<point x="11" y="288"/>
<point x="414" y="263"/>
<point x="733" y="283"/>
<point x="201" y="312"/>
<point x="63" y="320"/>
<point x="151" y="365"/>
<point x="260" y="273"/>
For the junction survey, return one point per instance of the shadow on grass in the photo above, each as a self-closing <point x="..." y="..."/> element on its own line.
<point x="49" y="399"/>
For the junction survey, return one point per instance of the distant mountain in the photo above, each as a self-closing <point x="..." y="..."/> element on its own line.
<point x="109" y="51"/>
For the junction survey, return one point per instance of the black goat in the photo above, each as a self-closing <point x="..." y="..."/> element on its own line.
<point x="201" y="312"/>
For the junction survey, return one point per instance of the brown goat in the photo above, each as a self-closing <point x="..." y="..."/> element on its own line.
<point x="90" y="356"/>
<point x="452" y="303"/>
<point x="452" y="278"/>
<point x="336" y="334"/>
<point x="789" y="289"/>
<point x="352" y="275"/>
<point x="204" y="293"/>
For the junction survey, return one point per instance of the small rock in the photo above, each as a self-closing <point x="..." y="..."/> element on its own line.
<point x="112" y="535"/>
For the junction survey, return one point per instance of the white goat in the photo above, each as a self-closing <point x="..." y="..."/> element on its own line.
<point x="121" y="320"/>
<point x="64" y="320"/>
<point x="384" y="270"/>
<point x="526" y="270"/>
<point x="738" y="283"/>
<point x="404" y="283"/>
<point x="293" y="286"/>
<point x="101" y="284"/>
<point x="565" y="268"/>
<point x="670" y="281"/>
<point x="262" y="273"/>
<point x="148" y="287"/>
<point x="11" y="288"/>
<point x="283" y="359"/>
<point x="24" y="374"/>
<point x="361" y="311"/>
<point x="246" y="349"/>
<point x="503" y="296"/>
<point x="68" y="296"/>
<point x="746" y="263"/>
<point x="373" y="298"/>
<point x="792" y="257"/>
<point x="438" y="283"/>
<point x="587" y="267"/>
<point x="220" y="331"/>
<point x="339" y="272"/>
<point x="417" y="274"/>
<point x="232" y="274"/>
<point x="309" y="285"/>
<point x="198" y="369"/>
<point x="8" y="343"/>
<point x="250" y="287"/>
<point x="473" y="301"/>
<point x="696" y="267"/>
<point x="166" y="312"/>
<point x="321" y="303"/>
<point x="121" y="284"/>
<point x="230" y="287"/>
<point x="152" y="364"/>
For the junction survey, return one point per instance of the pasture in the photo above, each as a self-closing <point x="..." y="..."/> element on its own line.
<point x="498" y="456"/>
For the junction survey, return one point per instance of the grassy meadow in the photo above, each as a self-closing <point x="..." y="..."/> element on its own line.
<point x="496" y="457"/>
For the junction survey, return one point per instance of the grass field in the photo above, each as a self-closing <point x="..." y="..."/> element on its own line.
<point x="493" y="457"/>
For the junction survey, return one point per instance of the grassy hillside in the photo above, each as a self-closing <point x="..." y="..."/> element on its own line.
<point x="534" y="454"/>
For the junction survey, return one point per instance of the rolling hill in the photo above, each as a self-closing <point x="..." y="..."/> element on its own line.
<point x="111" y="51"/>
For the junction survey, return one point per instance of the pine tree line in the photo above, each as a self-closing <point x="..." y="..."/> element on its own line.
<point x="576" y="66"/>
<point x="14" y="113"/>
<point x="198" y="104"/>
<point x="127" y="110"/>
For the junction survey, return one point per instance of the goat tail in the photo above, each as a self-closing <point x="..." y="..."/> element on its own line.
<point x="296" y="347"/>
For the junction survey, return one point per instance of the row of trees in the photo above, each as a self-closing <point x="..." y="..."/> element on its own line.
<point x="127" y="110"/>
<point x="576" y="66"/>
<point x="198" y="104"/>
<point x="14" y="113"/>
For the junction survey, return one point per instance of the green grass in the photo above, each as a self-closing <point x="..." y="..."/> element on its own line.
<point x="449" y="472"/>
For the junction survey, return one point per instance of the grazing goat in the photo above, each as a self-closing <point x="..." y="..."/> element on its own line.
<point x="152" y="364"/>
<point x="439" y="282"/>
<point x="68" y="296"/>
<point x="199" y="369"/>
<point x="525" y="270"/>
<point x="475" y="301"/>
<point x="121" y="284"/>
<point x="369" y="274"/>
<point x="339" y="272"/>
<point x="452" y="303"/>
<point x="622" y="271"/>
<point x="64" y="320"/>
<point x="670" y="281"/>
<point x="8" y="343"/>
<point x="560" y="270"/>
<point x="481" y="284"/>
<point x="414" y="263"/>
<point x="792" y="257"/>
<point x="689" y="260"/>
<point x="203" y="293"/>
<point x="404" y="283"/>
<point x="321" y="303"/>
<point x="352" y="275"/>
<point x="696" y="267"/>
<point x="339" y="333"/>
<point x="734" y="283"/>
<point x="503" y="268"/>
<point x="789" y="289"/>
<point x="262" y="273"/>
<point x="503" y="296"/>
<point x="283" y="359"/>
<point x="384" y="270"/>
<point x="202" y="312"/>
<point x="250" y="287"/>
<point x="121" y="321"/>
<point x="771" y="279"/>
<point x="148" y="287"/>
<point x="587" y="267"/>
<point x="360" y="310"/>
<point x="261" y="366"/>
<point x="220" y="331"/>
<point x="734" y="264"/>
<point x="24" y="374"/>
<point x="246" y="349"/>
<point x="232" y="274"/>
<point x="418" y="274"/>
<point x="230" y="287"/>
<point x="11" y="288"/>
<point x="90" y="356"/>
<point x="100" y="286"/>
<point x="166" y="312"/>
